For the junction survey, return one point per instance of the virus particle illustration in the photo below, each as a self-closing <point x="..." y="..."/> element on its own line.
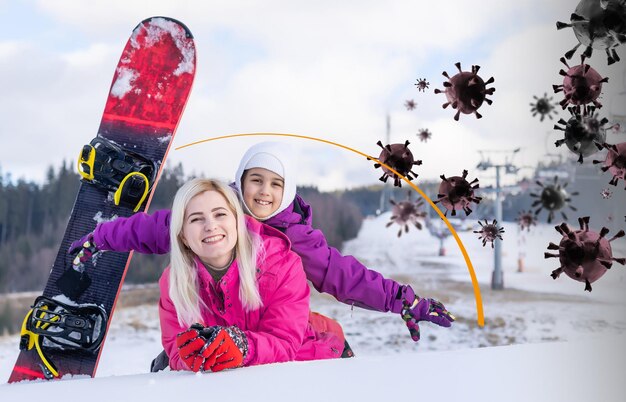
<point x="424" y="135"/>
<point x="584" y="133"/>
<point x="410" y="104"/>
<point x="543" y="107"/>
<point x="553" y="197"/>
<point x="400" y="158"/>
<point x="606" y="193"/>
<point x="457" y="193"/>
<point x="526" y="219"/>
<point x="581" y="85"/>
<point x="422" y="84"/>
<point x="406" y="212"/>
<point x="466" y="91"/>
<point x="585" y="255"/>
<point x="615" y="162"/>
<point x="598" y="25"/>
<point x="489" y="232"/>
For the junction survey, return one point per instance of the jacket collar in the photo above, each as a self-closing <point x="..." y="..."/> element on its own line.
<point x="260" y="228"/>
<point x="205" y="277"/>
<point x="297" y="212"/>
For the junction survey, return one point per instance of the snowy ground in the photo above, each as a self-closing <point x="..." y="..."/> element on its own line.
<point x="532" y="309"/>
<point x="549" y="372"/>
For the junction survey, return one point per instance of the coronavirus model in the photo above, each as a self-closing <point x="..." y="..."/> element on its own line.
<point x="526" y="219"/>
<point x="598" y="24"/>
<point x="466" y="91"/>
<point x="410" y="104"/>
<point x="606" y="193"/>
<point x="543" y="107"/>
<point x="424" y="135"/>
<point x="584" y="133"/>
<point x="615" y="162"/>
<point x="581" y="85"/>
<point x="456" y="193"/>
<point x="400" y="158"/>
<point x="422" y="84"/>
<point x="406" y="212"/>
<point x="553" y="197"/>
<point x="585" y="255"/>
<point x="489" y="232"/>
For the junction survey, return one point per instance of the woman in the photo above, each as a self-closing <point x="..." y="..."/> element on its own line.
<point x="234" y="294"/>
<point x="265" y="181"/>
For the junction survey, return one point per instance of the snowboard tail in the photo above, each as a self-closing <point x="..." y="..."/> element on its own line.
<point x="147" y="97"/>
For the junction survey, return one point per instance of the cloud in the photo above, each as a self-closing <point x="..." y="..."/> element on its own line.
<point x="51" y="104"/>
<point x="323" y="69"/>
<point x="288" y="26"/>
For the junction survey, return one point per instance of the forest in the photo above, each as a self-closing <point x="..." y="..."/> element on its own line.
<point x="33" y="219"/>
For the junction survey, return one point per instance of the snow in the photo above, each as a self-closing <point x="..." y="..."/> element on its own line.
<point x="165" y="139"/>
<point x="65" y="300"/>
<point x="155" y="30"/>
<point x="541" y="337"/>
<point x="187" y="64"/>
<point x="99" y="217"/>
<point x="124" y="82"/>
<point x="576" y="371"/>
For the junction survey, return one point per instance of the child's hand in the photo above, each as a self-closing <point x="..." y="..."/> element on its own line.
<point x="82" y="250"/>
<point x="423" y="309"/>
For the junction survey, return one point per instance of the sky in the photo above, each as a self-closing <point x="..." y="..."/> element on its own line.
<point x="330" y="70"/>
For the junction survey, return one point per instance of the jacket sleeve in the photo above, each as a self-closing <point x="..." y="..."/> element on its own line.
<point x="285" y="316"/>
<point x="170" y="327"/>
<point x="144" y="233"/>
<point x="343" y="277"/>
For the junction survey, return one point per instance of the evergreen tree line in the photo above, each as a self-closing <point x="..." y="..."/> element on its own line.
<point x="33" y="218"/>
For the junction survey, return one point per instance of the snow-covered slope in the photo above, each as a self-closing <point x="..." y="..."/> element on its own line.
<point x="569" y="372"/>
<point x="541" y="339"/>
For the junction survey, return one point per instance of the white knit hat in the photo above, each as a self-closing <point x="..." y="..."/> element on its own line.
<point x="266" y="161"/>
<point x="275" y="157"/>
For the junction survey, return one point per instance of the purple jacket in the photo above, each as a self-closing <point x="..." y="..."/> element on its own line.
<point x="344" y="277"/>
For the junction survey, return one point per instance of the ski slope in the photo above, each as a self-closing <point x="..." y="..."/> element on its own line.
<point x="541" y="339"/>
<point x="571" y="371"/>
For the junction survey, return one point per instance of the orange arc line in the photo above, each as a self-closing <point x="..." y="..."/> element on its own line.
<point x="468" y="262"/>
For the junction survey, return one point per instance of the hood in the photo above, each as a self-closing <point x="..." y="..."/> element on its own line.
<point x="280" y="156"/>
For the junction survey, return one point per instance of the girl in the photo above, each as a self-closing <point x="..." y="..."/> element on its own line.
<point x="234" y="294"/>
<point x="265" y="182"/>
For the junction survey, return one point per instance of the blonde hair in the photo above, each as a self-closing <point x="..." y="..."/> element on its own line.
<point x="183" y="276"/>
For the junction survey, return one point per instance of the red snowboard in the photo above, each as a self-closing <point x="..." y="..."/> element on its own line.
<point x="149" y="91"/>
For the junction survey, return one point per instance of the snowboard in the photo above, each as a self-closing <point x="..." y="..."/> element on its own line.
<point x="150" y="88"/>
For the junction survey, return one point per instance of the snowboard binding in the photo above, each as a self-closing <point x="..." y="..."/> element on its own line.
<point x="51" y="324"/>
<point x="128" y="175"/>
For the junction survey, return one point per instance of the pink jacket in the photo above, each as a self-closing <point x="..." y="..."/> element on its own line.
<point x="280" y="330"/>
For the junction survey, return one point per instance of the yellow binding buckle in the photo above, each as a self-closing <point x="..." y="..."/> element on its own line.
<point x="133" y="189"/>
<point x="86" y="160"/>
<point x="30" y="339"/>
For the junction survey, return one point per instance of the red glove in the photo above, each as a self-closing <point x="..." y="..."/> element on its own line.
<point x="189" y="344"/>
<point x="230" y="352"/>
<point x="212" y="348"/>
